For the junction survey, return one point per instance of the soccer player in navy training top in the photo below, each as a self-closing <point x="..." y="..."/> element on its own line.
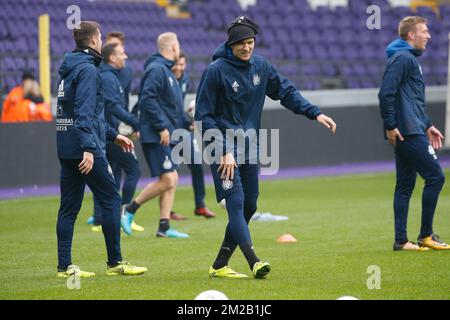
<point x="81" y="138"/>
<point x="411" y="132"/>
<point x="114" y="58"/>
<point x="231" y="95"/>
<point x="161" y="113"/>
<point x="125" y="74"/>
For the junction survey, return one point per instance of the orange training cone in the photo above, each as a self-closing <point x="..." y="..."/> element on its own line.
<point x="285" y="238"/>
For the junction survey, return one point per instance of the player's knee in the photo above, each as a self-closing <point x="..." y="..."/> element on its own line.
<point x="405" y="187"/>
<point x="136" y="172"/>
<point x="235" y="201"/>
<point x="438" y="180"/>
<point x="169" y="180"/>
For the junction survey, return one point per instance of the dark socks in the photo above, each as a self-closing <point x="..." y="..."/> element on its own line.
<point x="164" y="225"/>
<point x="132" y="207"/>
<point x="249" y="253"/>
<point x="225" y="253"/>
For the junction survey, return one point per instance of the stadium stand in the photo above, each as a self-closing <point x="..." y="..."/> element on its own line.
<point x="324" y="47"/>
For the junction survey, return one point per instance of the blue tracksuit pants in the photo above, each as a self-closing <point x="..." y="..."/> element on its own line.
<point x="412" y="156"/>
<point x="101" y="181"/>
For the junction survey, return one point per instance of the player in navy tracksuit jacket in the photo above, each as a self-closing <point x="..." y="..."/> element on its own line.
<point x="231" y="95"/>
<point x="81" y="138"/>
<point x="114" y="59"/>
<point x="125" y="74"/>
<point x="410" y="131"/>
<point x="161" y="112"/>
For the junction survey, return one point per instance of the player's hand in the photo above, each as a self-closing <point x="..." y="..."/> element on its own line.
<point x="87" y="163"/>
<point x="227" y="165"/>
<point x="126" y="144"/>
<point x="435" y="137"/>
<point x="165" y="137"/>
<point x="392" y="136"/>
<point x="327" y="122"/>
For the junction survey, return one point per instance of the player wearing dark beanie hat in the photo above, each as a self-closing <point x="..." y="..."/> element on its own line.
<point x="240" y="29"/>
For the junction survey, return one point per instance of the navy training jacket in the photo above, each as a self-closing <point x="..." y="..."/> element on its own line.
<point x="402" y="92"/>
<point x="160" y="100"/>
<point x="113" y="93"/>
<point x="80" y="121"/>
<point x="232" y="92"/>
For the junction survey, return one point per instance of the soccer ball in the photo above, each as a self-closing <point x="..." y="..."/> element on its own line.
<point x="211" y="295"/>
<point x="347" y="298"/>
<point x="223" y="204"/>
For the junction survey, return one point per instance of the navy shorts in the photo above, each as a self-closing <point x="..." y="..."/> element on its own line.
<point x="158" y="158"/>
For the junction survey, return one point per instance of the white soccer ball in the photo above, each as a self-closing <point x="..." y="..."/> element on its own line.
<point x="347" y="298"/>
<point x="211" y="295"/>
<point x="223" y="204"/>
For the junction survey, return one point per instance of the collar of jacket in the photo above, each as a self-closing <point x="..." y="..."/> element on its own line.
<point x="92" y="52"/>
<point x="399" y="45"/>
<point x="168" y="63"/>
<point x="107" y="67"/>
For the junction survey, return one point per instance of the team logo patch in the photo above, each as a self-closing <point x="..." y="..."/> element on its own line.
<point x="235" y="86"/>
<point x="167" y="165"/>
<point x="432" y="152"/>
<point x="256" y="80"/>
<point x="227" y="184"/>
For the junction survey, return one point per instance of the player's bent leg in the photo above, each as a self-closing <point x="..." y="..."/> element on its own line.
<point x="72" y="192"/>
<point x="102" y="184"/>
<point x="405" y="183"/>
<point x="166" y="203"/>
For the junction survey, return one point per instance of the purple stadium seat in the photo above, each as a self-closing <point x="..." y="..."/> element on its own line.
<point x="324" y="42"/>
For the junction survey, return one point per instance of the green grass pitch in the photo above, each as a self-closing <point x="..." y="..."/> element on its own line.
<point x="343" y="225"/>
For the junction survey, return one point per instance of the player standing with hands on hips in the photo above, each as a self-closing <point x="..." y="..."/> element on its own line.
<point x="81" y="144"/>
<point x="231" y="95"/>
<point x="411" y="133"/>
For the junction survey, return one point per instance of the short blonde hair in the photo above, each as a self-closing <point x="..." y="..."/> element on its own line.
<point x="408" y="24"/>
<point x="166" y="40"/>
